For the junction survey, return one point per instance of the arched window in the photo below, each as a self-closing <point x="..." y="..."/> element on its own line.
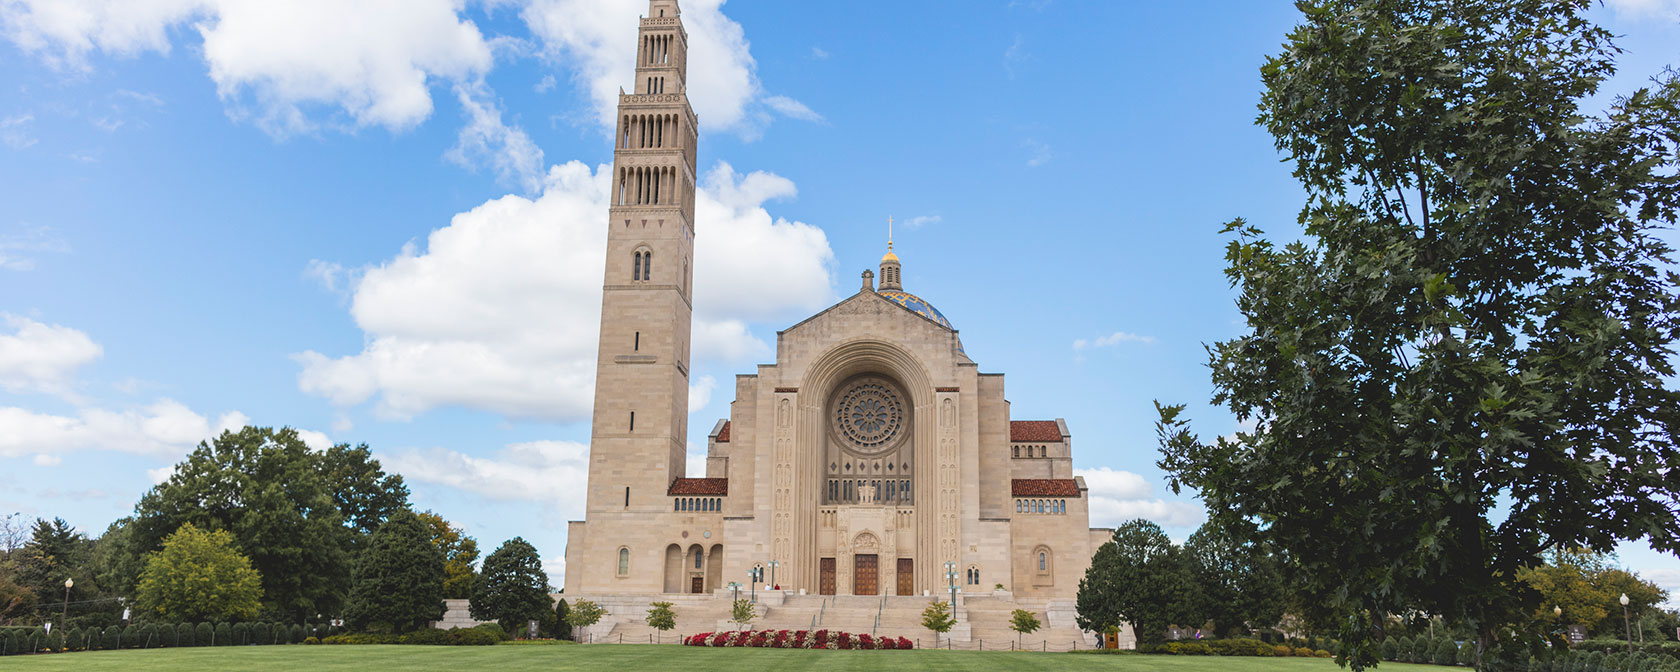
<point x="1017" y="451"/>
<point x="697" y="558"/>
<point x="1043" y="561"/>
<point x="623" y="561"/>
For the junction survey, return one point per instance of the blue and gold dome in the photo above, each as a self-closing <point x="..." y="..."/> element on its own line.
<point x="916" y="305"/>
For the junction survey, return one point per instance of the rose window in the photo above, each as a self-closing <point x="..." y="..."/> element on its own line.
<point x="869" y="416"/>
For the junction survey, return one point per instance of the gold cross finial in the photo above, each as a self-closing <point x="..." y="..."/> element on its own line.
<point x="889" y="232"/>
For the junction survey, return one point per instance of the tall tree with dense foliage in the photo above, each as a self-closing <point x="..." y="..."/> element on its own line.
<point x="513" y="588"/>
<point x="459" y="553"/>
<point x="1238" y="581"/>
<point x="199" y="576"/>
<point x="1139" y="577"/>
<point x="397" y="584"/>
<point x="54" y="552"/>
<point x="285" y="505"/>
<point x="1463" y="363"/>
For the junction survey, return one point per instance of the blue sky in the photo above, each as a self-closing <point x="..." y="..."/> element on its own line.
<point x="380" y="222"/>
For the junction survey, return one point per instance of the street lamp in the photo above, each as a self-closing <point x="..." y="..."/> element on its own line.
<point x="951" y="580"/>
<point x="753" y="577"/>
<point x="773" y="584"/>
<point x="1626" y="626"/>
<point x="68" y="582"/>
<point x="736" y="588"/>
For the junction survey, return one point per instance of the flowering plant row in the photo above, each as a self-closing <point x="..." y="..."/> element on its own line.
<point x="797" y="639"/>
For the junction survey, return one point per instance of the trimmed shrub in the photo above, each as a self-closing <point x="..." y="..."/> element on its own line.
<point x="75" y="641"/>
<point x="55" y="640"/>
<point x="1388" y="649"/>
<point x="131" y="637"/>
<point x="166" y="636"/>
<point x="224" y="634"/>
<point x="111" y="639"/>
<point x="1467" y="653"/>
<point x="1445" y="653"/>
<point x="311" y="640"/>
<point x="1240" y="647"/>
<point x="495" y="629"/>
<point x="241" y="634"/>
<point x="296" y="633"/>
<point x="186" y="635"/>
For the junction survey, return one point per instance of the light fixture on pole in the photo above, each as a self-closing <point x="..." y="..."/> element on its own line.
<point x="68" y="582"/>
<point x="773" y="584"/>
<point x="735" y="589"/>
<point x="951" y="580"/>
<point x="1626" y="626"/>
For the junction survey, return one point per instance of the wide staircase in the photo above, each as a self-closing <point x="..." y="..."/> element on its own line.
<point x="983" y="621"/>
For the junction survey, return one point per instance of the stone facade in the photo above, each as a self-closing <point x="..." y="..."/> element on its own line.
<point x="873" y="457"/>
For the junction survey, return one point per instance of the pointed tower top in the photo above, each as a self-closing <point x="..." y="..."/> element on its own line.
<point x="889" y="256"/>
<point x="889" y="264"/>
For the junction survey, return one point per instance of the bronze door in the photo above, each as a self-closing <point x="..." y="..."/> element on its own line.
<point x="697" y="584"/>
<point x="864" y="579"/>
<point x="906" y="576"/>
<point x="827" y="585"/>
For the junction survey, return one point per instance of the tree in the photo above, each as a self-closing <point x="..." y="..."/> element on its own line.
<point x="563" y="627"/>
<point x="295" y="512"/>
<point x="397" y="583"/>
<point x="1463" y="363"/>
<point x="112" y="562"/>
<point x="199" y="576"/>
<point x="937" y="617"/>
<point x="365" y="495"/>
<point x="660" y="617"/>
<point x="1238" y="580"/>
<point x="1022" y="622"/>
<point x="459" y="554"/>
<point x="513" y="588"/>
<point x="583" y="614"/>
<point x="1138" y="577"/>
<point x="742" y="613"/>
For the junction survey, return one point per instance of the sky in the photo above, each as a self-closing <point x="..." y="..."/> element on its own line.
<point x="382" y="222"/>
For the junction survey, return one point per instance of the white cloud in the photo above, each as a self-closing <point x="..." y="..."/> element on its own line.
<point x="232" y="421"/>
<point x="1119" y="496"/>
<point x="546" y="472"/>
<point x="274" y="62"/>
<point x="316" y="441"/>
<point x="14" y="131"/>
<point x="1038" y="153"/>
<point x="166" y="429"/>
<point x="819" y="54"/>
<point x="44" y="460"/>
<point x="15" y="247"/>
<point x="38" y="357"/>
<point x="1667" y="578"/>
<point x="700" y="393"/>
<point x="591" y="38"/>
<point x="501" y="309"/>
<point x="517" y="161"/>
<point x="160" y="474"/>
<point x="922" y="220"/>
<point x="791" y="108"/>
<point x="1668" y="10"/>
<point x="1115" y="338"/>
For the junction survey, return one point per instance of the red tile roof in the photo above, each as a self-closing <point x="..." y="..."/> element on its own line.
<point x="1034" y="430"/>
<point x="1044" y="487"/>
<point x="723" y="434"/>
<point x="699" y="486"/>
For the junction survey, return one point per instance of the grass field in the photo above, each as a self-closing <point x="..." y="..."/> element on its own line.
<point x="627" y="657"/>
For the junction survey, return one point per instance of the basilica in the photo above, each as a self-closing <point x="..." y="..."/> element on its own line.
<point x="872" y="457"/>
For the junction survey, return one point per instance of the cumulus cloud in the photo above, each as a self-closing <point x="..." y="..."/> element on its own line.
<point x="1113" y="339"/>
<point x="591" y="38"/>
<point x="165" y="429"/>
<point x="501" y="309"/>
<point x="273" y="62"/>
<point x="1119" y="496"/>
<point x="546" y="472"/>
<point x="508" y="150"/>
<point x="38" y="357"/>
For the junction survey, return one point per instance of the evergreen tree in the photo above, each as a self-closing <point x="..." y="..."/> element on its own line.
<point x="512" y="588"/>
<point x="563" y="627"/>
<point x="397" y="585"/>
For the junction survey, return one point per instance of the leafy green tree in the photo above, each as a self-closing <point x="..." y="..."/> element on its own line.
<point x="1023" y="622"/>
<point x="1137" y="577"/>
<point x="199" y="575"/>
<point x="563" y="627"/>
<point x="1239" y="582"/>
<point x="16" y="601"/>
<point x="295" y="512"/>
<point x="397" y="585"/>
<point x="1463" y="363"/>
<point x="513" y="588"/>
<point x="54" y="552"/>
<point x="660" y="617"/>
<point x="742" y="613"/>
<point x="459" y="554"/>
<point x="938" y="618"/>
<point x="366" y="496"/>
<point x="583" y="614"/>
<point x="112" y="562"/>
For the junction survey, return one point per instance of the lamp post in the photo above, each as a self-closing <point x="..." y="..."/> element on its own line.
<point x="735" y="589"/>
<point x="773" y="565"/>
<point x="68" y="583"/>
<point x="1627" y="626"/>
<point x="752" y="580"/>
<point x="951" y="580"/>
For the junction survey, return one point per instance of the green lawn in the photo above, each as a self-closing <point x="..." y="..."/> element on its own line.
<point x="625" y="658"/>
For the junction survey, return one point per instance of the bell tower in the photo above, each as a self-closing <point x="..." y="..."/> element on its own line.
<point x="638" y="441"/>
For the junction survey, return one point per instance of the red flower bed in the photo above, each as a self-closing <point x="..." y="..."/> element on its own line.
<point x="797" y="639"/>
